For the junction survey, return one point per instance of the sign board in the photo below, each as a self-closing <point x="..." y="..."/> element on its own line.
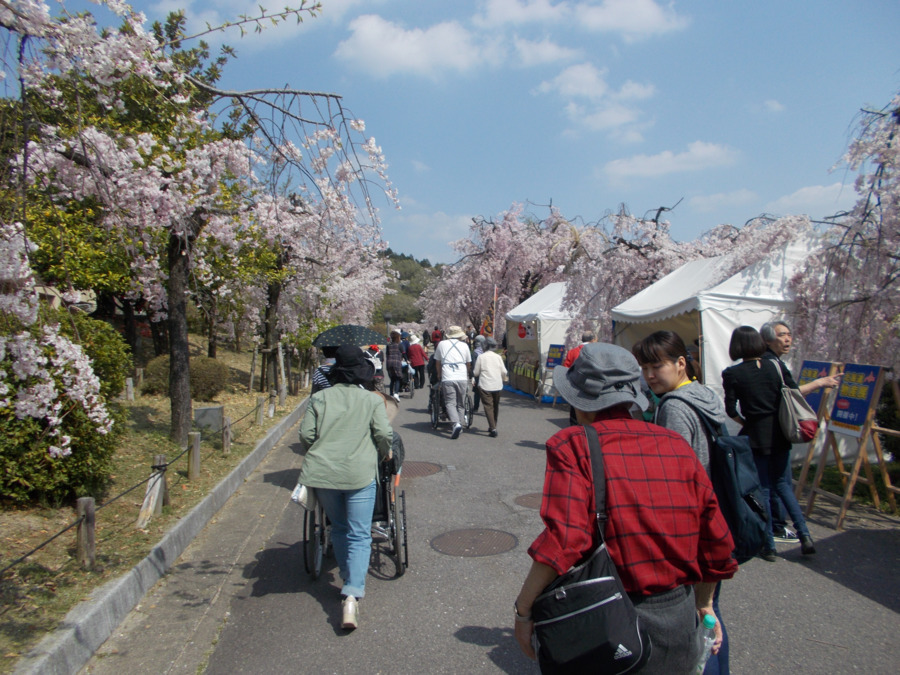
<point x="555" y="355"/>
<point x="854" y="399"/>
<point x="813" y="370"/>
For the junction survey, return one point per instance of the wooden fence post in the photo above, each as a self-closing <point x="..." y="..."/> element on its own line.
<point x="282" y="383"/>
<point x="85" y="550"/>
<point x="226" y="436"/>
<point x="260" y="409"/>
<point x="129" y="389"/>
<point x="139" y="376"/>
<point x="160" y="460"/>
<point x="252" y="369"/>
<point x="194" y="455"/>
<point x="156" y="495"/>
<point x="271" y="403"/>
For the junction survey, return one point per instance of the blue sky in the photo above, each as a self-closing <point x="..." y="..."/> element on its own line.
<point x="734" y="108"/>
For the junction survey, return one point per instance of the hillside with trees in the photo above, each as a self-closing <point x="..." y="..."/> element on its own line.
<point x="413" y="277"/>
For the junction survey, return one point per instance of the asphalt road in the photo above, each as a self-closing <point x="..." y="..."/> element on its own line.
<point x="239" y="601"/>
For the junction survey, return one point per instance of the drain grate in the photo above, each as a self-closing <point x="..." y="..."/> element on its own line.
<point x="474" y="543"/>
<point x="419" y="469"/>
<point x="530" y="501"/>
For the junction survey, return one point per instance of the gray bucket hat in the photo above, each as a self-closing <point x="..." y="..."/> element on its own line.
<point x="602" y="376"/>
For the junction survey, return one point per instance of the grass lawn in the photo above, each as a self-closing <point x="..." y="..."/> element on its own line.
<point x="37" y="593"/>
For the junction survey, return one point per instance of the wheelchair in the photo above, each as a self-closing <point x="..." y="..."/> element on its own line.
<point x="388" y="521"/>
<point x="407" y="383"/>
<point x="389" y="518"/>
<point x="438" y="409"/>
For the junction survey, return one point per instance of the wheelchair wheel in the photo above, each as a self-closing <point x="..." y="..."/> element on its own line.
<point x="467" y="411"/>
<point x="315" y="535"/>
<point x="398" y="528"/>
<point x="411" y="387"/>
<point x="435" y="408"/>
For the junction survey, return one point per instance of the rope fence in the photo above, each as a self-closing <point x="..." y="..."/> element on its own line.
<point x="156" y="495"/>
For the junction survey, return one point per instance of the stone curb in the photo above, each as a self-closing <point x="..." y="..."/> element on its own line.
<point x="90" y="623"/>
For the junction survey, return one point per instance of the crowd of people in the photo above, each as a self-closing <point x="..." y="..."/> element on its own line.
<point x="665" y="532"/>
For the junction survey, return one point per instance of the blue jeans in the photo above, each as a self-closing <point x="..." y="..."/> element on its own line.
<point x="718" y="663"/>
<point x="775" y="475"/>
<point x="350" y="513"/>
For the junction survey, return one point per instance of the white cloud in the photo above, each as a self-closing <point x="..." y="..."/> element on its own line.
<point x="816" y="201"/>
<point x="499" y="12"/>
<point x="603" y="118"/>
<point x="698" y="156"/>
<point x="608" y="109"/>
<point x="420" y="167"/>
<point x="382" y="48"/>
<point x="722" y="200"/>
<point x="633" y="18"/>
<point x="773" y="106"/>
<point x="532" y="53"/>
<point x="583" y="80"/>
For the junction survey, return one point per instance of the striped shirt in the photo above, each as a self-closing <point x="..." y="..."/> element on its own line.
<point x="664" y="526"/>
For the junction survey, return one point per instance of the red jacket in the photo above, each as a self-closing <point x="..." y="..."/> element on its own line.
<point x="664" y="529"/>
<point x="572" y="355"/>
<point x="416" y="355"/>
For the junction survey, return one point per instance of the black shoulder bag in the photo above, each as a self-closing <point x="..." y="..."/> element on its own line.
<point x="584" y="622"/>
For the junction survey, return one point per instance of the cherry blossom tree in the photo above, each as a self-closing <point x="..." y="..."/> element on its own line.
<point x="624" y="254"/>
<point x="848" y="298"/>
<point x="178" y="166"/>
<point x="517" y="254"/>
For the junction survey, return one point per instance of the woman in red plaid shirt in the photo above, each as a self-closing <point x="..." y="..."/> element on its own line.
<point x="664" y="532"/>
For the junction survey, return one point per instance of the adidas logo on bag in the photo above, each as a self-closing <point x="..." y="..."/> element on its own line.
<point x="621" y="653"/>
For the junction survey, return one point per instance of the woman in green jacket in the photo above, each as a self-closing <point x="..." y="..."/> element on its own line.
<point x="345" y="433"/>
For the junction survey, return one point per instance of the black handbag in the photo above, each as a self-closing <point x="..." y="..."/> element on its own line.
<point x="584" y="622"/>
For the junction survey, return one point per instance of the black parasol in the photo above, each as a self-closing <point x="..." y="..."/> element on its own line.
<point x="348" y="334"/>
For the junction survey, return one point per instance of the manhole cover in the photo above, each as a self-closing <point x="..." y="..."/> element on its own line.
<point x="419" y="469"/>
<point x="531" y="501"/>
<point x="474" y="543"/>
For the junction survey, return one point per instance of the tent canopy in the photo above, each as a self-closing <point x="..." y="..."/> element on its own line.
<point x="532" y="327"/>
<point x="545" y="304"/>
<point x="696" y="304"/>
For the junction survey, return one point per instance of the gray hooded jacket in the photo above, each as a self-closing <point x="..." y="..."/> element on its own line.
<point x="672" y="413"/>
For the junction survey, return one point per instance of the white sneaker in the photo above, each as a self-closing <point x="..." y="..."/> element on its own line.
<point x="457" y="430"/>
<point x="396" y="397"/>
<point x="351" y="613"/>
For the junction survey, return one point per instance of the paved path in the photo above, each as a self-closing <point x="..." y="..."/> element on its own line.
<point x="238" y="600"/>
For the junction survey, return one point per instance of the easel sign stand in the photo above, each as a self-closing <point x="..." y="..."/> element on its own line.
<point x="818" y="401"/>
<point x="853" y="416"/>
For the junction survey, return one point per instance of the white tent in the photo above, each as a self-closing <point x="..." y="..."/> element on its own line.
<point x="690" y="302"/>
<point x="531" y="328"/>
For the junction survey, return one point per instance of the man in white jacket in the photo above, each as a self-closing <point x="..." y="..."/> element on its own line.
<point x="491" y="372"/>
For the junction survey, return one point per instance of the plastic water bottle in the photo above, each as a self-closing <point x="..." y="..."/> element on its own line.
<point x="708" y="636"/>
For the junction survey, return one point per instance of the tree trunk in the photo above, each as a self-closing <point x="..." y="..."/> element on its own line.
<point x="160" y="337"/>
<point x="131" y="335"/>
<point x="211" y="334"/>
<point x="179" y="347"/>
<point x="271" y="328"/>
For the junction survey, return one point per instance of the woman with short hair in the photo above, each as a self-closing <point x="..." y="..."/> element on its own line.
<point x="755" y="386"/>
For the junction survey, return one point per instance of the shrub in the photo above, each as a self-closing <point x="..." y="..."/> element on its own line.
<point x="107" y="349"/>
<point x="156" y="376"/>
<point x="50" y="455"/>
<point x="209" y="377"/>
<point x="29" y="475"/>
